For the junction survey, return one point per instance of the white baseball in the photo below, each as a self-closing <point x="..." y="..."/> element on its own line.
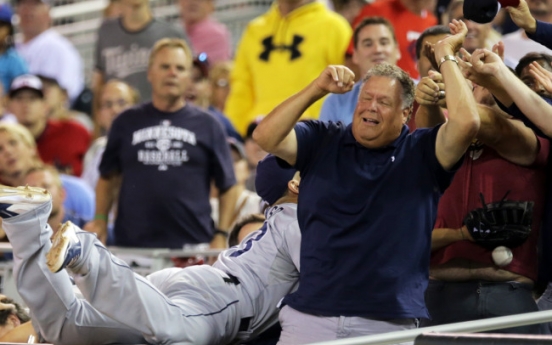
<point x="502" y="256"/>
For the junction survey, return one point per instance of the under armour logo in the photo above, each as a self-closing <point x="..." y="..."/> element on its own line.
<point x="269" y="47"/>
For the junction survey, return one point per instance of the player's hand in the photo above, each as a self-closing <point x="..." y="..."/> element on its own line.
<point x="542" y="75"/>
<point x="522" y="17"/>
<point x="99" y="227"/>
<point x="335" y="79"/>
<point x="431" y="90"/>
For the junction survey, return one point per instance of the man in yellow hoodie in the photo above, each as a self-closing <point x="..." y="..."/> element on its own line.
<point x="279" y="53"/>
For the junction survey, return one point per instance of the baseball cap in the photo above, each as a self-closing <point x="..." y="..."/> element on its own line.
<point x="6" y="13"/>
<point x="271" y="180"/>
<point x="26" y="81"/>
<point x="484" y="11"/>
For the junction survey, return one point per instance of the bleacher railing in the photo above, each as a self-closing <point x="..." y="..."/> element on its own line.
<point x="482" y="325"/>
<point x="80" y="21"/>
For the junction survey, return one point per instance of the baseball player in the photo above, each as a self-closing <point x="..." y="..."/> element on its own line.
<point x="233" y="300"/>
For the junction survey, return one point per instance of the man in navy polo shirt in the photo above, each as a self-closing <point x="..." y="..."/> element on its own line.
<point x="369" y="194"/>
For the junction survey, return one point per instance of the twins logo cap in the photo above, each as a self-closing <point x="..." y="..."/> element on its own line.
<point x="273" y="175"/>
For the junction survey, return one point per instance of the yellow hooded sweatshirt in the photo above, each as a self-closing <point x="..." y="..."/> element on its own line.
<point x="278" y="56"/>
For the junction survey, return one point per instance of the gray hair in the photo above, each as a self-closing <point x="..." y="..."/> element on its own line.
<point x="394" y="72"/>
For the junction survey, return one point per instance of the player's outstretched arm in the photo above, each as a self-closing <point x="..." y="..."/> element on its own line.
<point x="275" y="133"/>
<point x="455" y="136"/>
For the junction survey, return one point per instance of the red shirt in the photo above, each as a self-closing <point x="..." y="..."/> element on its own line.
<point x="493" y="176"/>
<point x="408" y="27"/>
<point x="63" y="144"/>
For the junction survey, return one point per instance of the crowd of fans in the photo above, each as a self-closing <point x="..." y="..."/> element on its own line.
<point x="142" y="166"/>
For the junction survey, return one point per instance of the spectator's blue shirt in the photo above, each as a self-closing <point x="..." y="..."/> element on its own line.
<point x="228" y="127"/>
<point x="366" y="217"/>
<point x="341" y="107"/>
<point x="12" y="66"/>
<point x="79" y="201"/>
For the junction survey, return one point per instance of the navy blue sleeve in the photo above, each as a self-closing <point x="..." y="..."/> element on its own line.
<point x="514" y="111"/>
<point x="111" y="159"/>
<point x="427" y="140"/>
<point x="222" y="167"/>
<point x="312" y="136"/>
<point x="543" y="34"/>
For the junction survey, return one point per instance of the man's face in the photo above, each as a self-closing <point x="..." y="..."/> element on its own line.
<point x="45" y="179"/>
<point x="540" y="7"/>
<point x="169" y="72"/>
<point x="15" y="156"/>
<point x="375" y="45"/>
<point x="193" y="11"/>
<point x="533" y="83"/>
<point x="116" y="97"/>
<point x="424" y="65"/>
<point x="198" y="91"/>
<point x="477" y="33"/>
<point x="33" y="15"/>
<point x="28" y="107"/>
<point x="54" y="96"/>
<point x="379" y="117"/>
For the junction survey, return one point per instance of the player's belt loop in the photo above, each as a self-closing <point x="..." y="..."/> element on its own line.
<point x="244" y="324"/>
<point x="231" y="279"/>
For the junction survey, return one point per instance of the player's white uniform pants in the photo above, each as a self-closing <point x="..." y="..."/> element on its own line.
<point x="174" y="306"/>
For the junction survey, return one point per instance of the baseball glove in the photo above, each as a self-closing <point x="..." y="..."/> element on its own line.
<point x="505" y="223"/>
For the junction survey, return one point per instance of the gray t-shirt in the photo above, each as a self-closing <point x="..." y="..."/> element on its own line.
<point x="124" y="54"/>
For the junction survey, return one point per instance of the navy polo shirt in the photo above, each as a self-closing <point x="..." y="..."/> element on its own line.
<point x="366" y="217"/>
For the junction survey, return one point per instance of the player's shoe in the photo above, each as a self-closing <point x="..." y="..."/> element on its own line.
<point x="66" y="248"/>
<point x="15" y="201"/>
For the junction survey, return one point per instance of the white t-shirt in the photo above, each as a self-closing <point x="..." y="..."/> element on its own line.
<point x="54" y="56"/>
<point x="516" y="46"/>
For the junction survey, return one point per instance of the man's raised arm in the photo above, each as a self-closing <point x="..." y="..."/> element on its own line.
<point x="456" y="134"/>
<point x="275" y="133"/>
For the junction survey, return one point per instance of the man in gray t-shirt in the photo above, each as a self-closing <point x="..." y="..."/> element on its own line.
<point x="124" y="44"/>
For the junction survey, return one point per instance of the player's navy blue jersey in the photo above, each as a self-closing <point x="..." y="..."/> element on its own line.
<point x="167" y="161"/>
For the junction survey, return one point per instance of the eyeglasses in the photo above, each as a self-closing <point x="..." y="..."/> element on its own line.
<point x="221" y="82"/>
<point x="121" y="103"/>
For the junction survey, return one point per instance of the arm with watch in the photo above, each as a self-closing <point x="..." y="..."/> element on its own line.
<point x="455" y="136"/>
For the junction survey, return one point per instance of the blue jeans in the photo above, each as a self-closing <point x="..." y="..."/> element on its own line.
<point x="450" y="302"/>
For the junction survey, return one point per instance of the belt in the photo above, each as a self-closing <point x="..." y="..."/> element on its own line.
<point x="244" y="322"/>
